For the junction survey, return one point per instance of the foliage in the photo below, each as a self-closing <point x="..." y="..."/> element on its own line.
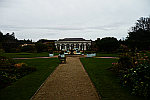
<point x="139" y="35"/>
<point x="40" y="47"/>
<point x="139" y="79"/>
<point x="89" y="52"/>
<point x="134" y="71"/>
<point x="28" y="48"/>
<point x="141" y="24"/>
<point x="104" y="54"/>
<point x="11" y="72"/>
<point x="25" y="88"/>
<point x="25" y="55"/>
<point x="108" y="44"/>
<point x="137" y="44"/>
<point x="10" y="44"/>
<point x="124" y="63"/>
<point x="7" y="38"/>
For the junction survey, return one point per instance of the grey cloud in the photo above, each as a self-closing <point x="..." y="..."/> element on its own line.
<point x="47" y="28"/>
<point x="70" y="17"/>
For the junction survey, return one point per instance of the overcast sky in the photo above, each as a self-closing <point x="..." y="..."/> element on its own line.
<point x="58" y="19"/>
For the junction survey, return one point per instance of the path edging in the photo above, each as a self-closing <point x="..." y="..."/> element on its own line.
<point x="43" y="84"/>
<point x="91" y="81"/>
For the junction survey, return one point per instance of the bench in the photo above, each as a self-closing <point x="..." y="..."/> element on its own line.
<point x="62" y="59"/>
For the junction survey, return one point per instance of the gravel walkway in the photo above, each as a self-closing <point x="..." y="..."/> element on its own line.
<point x="68" y="82"/>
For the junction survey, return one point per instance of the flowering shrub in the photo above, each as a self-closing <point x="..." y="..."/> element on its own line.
<point x="11" y="72"/>
<point x="124" y="63"/>
<point x="139" y="79"/>
<point x="134" y="71"/>
<point x="23" y="69"/>
<point x="19" y="65"/>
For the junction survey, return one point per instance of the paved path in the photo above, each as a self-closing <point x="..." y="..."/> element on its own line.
<point x="68" y="82"/>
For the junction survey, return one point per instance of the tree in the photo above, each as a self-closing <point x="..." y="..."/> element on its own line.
<point x="98" y="44"/>
<point x="139" y="35"/>
<point x="142" y="23"/>
<point x="141" y="30"/>
<point x="1" y="36"/>
<point x="40" y="47"/>
<point x="108" y="44"/>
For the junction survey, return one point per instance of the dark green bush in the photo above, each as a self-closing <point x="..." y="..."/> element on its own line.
<point x="139" y="79"/>
<point x="126" y="62"/>
<point x="134" y="71"/>
<point x="11" y="72"/>
<point x="88" y="52"/>
<point x="24" y="69"/>
<point x="7" y="49"/>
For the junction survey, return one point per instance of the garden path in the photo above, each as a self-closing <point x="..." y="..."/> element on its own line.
<point x="68" y="82"/>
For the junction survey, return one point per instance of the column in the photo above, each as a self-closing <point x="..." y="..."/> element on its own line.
<point x="56" y="47"/>
<point x="84" y="46"/>
<point x="60" y="46"/>
<point x="65" y="47"/>
<point x="79" y="46"/>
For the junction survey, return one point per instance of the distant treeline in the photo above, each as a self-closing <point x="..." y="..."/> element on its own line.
<point x="9" y="43"/>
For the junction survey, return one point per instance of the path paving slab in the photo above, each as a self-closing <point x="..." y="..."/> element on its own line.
<point x="68" y="82"/>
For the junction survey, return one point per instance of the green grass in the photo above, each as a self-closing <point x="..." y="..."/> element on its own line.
<point x="103" y="54"/>
<point x="24" y="88"/>
<point x="26" y="55"/>
<point x="105" y="82"/>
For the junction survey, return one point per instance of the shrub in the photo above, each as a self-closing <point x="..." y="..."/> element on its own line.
<point x="124" y="63"/>
<point x="88" y="52"/>
<point x="134" y="71"/>
<point x="11" y="72"/>
<point x="7" y="49"/>
<point x="139" y="79"/>
<point x="23" y="69"/>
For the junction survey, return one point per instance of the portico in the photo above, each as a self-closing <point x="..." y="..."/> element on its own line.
<point x="67" y="44"/>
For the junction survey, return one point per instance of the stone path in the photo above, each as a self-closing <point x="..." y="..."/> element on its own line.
<point x="68" y="82"/>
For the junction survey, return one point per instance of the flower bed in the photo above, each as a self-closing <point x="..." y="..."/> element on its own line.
<point x="11" y="72"/>
<point x="134" y="71"/>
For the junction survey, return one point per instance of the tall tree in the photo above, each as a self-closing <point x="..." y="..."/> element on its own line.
<point x="108" y="44"/>
<point x="139" y="35"/>
<point x="141" y="30"/>
<point x="142" y="23"/>
<point x="1" y="36"/>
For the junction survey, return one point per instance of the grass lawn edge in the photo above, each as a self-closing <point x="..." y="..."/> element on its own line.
<point x="91" y="81"/>
<point x="43" y="83"/>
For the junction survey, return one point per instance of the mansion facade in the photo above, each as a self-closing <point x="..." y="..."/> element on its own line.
<point x="67" y="44"/>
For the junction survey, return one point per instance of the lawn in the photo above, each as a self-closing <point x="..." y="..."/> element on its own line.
<point x="24" y="88"/>
<point x="103" y="54"/>
<point x="105" y="82"/>
<point x="26" y="55"/>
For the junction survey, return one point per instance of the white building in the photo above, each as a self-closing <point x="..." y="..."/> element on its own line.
<point x="67" y="44"/>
